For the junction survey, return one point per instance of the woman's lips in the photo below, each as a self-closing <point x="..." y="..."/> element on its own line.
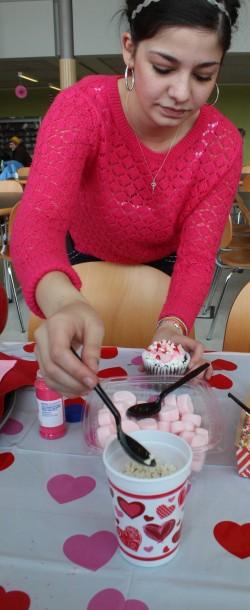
<point x="172" y="112"/>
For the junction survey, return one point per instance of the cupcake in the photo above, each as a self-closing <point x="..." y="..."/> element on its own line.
<point x="165" y="358"/>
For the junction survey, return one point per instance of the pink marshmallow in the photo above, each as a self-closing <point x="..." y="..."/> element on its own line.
<point x="188" y="426"/>
<point x="176" y="427"/>
<point x="104" y="434"/>
<point x="194" y="418"/>
<point x="129" y="425"/>
<point x="170" y="401"/>
<point x="199" y="440"/>
<point x="184" y="404"/>
<point x="125" y="397"/>
<point x="168" y="414"/>
<point x="164" y="426"/>
<point x="187" y="435"/>
<point x="148" y="423"/>
<point x="104" y="417"/>
<point x="203" y="432"/>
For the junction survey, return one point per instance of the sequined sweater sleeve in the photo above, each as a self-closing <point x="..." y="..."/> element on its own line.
<point x="89" y="177"/>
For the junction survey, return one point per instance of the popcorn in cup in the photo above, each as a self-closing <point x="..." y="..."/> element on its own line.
<point x="149" y="509"/>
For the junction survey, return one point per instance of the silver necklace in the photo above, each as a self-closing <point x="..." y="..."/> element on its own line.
<point x="153" y="182"/>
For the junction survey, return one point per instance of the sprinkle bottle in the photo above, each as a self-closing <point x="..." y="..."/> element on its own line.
<point x="51" y="413"/>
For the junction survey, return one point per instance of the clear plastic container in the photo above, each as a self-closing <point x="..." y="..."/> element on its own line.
<point x="99" y="425"/>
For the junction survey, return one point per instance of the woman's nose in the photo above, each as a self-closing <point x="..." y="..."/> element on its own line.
<point x="180" y="90"/>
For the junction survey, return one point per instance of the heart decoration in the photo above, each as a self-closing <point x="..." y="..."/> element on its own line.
<point x="21" y="92"/>
<point x="182" y="496"/>
<point x="115" y="371"/>
<point x="137" y="361"/>
<point x="130" y="537"/>
<point x="176" y="536"/>
<point x="91" y="552"/>
<point x="221" y="364"/>
<point x="12" y="426"/>
<point x="109" y="352"/>
<point x="159" y="532"/>
<point x="234" y="538"/>
<point x="148" y="549"/>
<point x="29" y="347"/>
<point x="14" y="600"/>
<point x="6" y="460"/>
<point x="148" y="518"/>
<point x="132" y="509"/>
<point x="65" y="488"/>
<point x="118" y="512"/>
<point x="112" y="599"/>
<point x="164" y="511"/>
<point x="220" y="382"/>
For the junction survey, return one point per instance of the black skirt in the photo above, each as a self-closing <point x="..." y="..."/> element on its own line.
<point x="165" y="264"/>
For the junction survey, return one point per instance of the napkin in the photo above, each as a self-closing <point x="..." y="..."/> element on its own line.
<point x="19" y="374"/>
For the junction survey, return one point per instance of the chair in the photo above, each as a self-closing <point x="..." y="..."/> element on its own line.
<point x="237" y="332"/>
<point x="23" y="172"/>
<point x="128" y="298"/>
<point x="5" y="234"/>
<point x="10" y="193"/>
<point x="234" y="256"/>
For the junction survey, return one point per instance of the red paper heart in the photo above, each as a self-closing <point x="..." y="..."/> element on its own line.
<point x="132" y="509"/>
<point x="6" y="459"/>
<point x="115" y="371"/>
<point x="223" y="365"/>
<point x="109" y="352"/>
<point x="159" y="532"/>
<point x="234" y="538"/>
<point x="14" y="600"/>
<point x="29" y="347"/>
<point x="221" y="382"/>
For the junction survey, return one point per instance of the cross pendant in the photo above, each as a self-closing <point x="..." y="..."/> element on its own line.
<point x="153" y="184"/>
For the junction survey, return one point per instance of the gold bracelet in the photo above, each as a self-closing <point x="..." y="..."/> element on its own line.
<point x="177" y="322"/>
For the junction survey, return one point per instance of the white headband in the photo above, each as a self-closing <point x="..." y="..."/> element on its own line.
<point x="217" y="3"/>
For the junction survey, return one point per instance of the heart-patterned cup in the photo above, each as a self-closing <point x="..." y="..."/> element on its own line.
<point x="155" y="540"/>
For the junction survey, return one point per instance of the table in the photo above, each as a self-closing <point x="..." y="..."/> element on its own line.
<point x="38" y="516"/>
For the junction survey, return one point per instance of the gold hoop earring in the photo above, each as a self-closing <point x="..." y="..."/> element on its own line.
<point x="129" y="78"/>
<point x="217" y="95"/>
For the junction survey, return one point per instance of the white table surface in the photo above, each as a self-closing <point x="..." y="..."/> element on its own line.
<point x="36" y="574"/>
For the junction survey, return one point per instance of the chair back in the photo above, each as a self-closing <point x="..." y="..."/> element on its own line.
<point x="245" y="186"/>
<point x="128" y="298"/>
<point x="10" y="192"/>
<point x="227" y="233"/>
<point x="237" y="332"/>
<point x="243" y="208"/>
<point x="23" y="172"/>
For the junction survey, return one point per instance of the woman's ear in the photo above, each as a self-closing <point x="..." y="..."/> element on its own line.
<point x="128" y="49"/>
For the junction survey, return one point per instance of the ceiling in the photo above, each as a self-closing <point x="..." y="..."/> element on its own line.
<point x="236" y="69"/>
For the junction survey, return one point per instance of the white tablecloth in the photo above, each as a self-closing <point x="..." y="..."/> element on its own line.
<point x="35" y="521"/>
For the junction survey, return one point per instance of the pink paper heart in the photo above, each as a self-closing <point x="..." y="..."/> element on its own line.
<point x="65" y="488"/>
<point x="111" y="599"/>
<point x="12" y="426"/>
<point x="137" y="360"/>
<point x="91" y="552"/>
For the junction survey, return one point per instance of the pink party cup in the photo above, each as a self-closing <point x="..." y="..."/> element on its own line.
<point x="149" y="511"/>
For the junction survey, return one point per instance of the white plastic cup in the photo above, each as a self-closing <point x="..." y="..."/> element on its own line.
<point x="149" y="512"/>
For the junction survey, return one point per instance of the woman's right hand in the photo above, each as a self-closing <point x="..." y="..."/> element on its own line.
<point x="75" y="325"/>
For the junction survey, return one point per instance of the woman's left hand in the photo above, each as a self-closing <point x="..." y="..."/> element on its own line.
<point x="193" y="347"/>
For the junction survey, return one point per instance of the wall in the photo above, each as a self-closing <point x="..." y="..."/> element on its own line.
<point x="234" y="102"/>
<point x="35" y="104"/>
<point x="26" y="29"/>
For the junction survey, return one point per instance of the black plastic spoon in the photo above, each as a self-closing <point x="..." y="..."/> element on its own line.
<point x="241" y="404"/>
<point x="149" y="409"/>
<point x="135" y="450"/>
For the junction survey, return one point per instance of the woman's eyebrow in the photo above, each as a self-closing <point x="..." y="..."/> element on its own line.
<point x="174" y="60"/>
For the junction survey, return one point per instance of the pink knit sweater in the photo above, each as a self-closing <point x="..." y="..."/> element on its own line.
<point x="89" y="177"/>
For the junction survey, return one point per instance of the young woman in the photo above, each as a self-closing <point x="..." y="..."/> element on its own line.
<point x="137" y="170"/>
